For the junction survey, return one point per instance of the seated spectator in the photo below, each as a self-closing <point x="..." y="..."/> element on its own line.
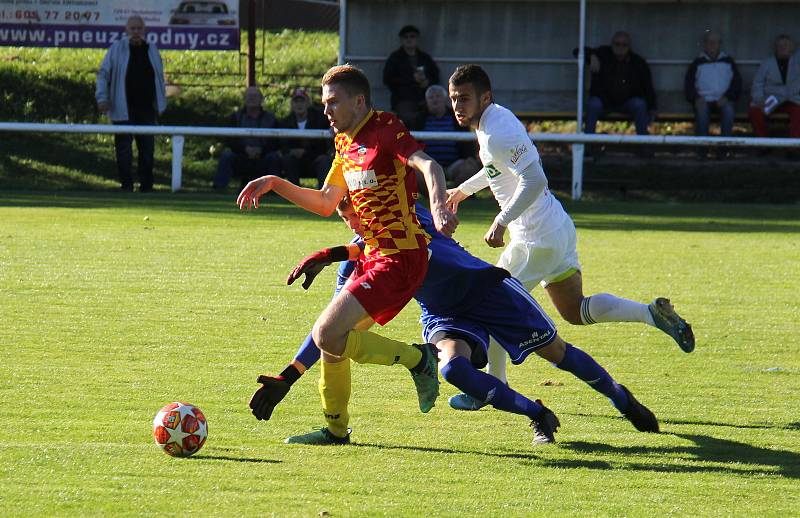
<point x="776" y="88"/>
<point x="249" y="157"/>
<point x="621" y="82"/>
<point x="305" y="157"/>
<point x="456" y="158"/>
<point x="713" y="83"/>
<point x="408" y="72"/>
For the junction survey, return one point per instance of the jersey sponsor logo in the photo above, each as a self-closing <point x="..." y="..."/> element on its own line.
<point x="361" y="180"/>
<point x="517" y="152"/>
<point x="536" y="338"/>
<point x="400" y="135"/>
<point x="492" y="171"/>
<point x="362" y="150"/>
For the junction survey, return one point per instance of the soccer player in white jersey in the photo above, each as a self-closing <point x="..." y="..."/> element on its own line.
<point x="542" y="247"/>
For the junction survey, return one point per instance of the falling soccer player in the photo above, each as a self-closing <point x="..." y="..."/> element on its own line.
<point x="464" y="300"/>
<point x="542" y="248"/>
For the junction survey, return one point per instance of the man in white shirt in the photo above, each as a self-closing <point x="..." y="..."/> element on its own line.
<point x="542" y="249"/>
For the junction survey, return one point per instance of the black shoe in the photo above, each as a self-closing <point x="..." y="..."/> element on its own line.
<point x="271" y="392"/>
<point x="642" y="418"/>
<point x="544" y="426"/>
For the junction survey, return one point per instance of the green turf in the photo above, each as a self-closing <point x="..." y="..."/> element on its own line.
<point x="113" y="305"/>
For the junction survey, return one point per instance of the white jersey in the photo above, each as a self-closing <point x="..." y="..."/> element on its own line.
<point x="505" y="151"/>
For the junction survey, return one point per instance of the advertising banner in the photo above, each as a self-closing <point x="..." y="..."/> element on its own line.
<point x="171" y="24"/>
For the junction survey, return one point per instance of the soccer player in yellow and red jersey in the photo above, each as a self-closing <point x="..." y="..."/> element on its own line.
<point x="374" y="163"/>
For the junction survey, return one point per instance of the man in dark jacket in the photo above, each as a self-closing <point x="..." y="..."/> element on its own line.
<point x="305" y="157"/>
<point x="621" y="82"/>
<point x="713" y="83"/>
<point x="408" y="72"/>
<point x="248" y="157"/>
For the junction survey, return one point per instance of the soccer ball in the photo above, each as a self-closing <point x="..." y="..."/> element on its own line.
<point x="180" y="429"/>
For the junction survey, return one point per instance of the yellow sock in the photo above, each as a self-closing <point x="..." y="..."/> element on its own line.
<point x="334" y="389"/>
<point x="367" y="347"/>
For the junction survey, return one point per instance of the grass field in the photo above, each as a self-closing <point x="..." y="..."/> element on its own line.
<point x="113" y="305"/>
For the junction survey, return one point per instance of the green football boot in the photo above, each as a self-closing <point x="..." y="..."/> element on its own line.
<point x="426" y="377"/>
<point x="667" y="320"/>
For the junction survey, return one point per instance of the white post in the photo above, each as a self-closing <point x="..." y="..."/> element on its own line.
<point x="577" y="149"/>
<point x="577" y="171"/>
<point x="177" y="161"/>
<point x="342" y="31"/>
<point x="581" y="64"/>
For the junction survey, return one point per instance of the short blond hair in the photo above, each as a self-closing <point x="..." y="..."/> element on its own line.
<point x="352" y="79"/>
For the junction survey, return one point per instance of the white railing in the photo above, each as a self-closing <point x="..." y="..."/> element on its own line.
<point x="178" y="134"/>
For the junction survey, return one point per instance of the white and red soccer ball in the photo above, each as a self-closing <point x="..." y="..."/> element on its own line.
<point x="180" y="429"/>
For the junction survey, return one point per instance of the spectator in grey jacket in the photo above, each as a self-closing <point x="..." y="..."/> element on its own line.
<point x="778" y="77"/>
<point x="130" y="87"/>
<point x="713" y="83"/>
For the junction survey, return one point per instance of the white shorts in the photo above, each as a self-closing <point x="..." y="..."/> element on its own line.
<point x="552" y="258"/>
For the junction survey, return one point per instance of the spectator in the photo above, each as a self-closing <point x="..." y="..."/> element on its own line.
<point x="130" y="88"/>
<point x="776" y="88"/>
<point x="713" y="83"/>
<point x="457" y="158"/>
<point x="407" y="73"/>
<point x="249" y="157"/>
<point x="621" y="82"/>
<point x="305" y="157"/>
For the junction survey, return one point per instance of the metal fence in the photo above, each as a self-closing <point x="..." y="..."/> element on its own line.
<point x="578" y="140"/>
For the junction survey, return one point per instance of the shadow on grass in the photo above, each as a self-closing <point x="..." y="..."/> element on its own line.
<point x="788" y="426"/>
<point x="449" y="451"/>
<point x="528" y="458"/>
<point x="92" y="161"/>
<point x="731" y="457"/>
<point x="235" y="459"/>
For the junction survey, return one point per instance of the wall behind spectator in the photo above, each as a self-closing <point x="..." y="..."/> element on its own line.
<point x="475" y="30"/>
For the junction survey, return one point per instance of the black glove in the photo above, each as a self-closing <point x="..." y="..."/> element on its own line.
<point x="271" y="392"/>
<point x="314" y="263"/>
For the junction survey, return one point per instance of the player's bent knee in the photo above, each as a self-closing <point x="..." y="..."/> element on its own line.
<point x="328" y="340"/>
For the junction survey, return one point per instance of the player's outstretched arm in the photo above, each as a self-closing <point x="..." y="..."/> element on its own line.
<point x="322" y="202"/>
<point x="443" y="219"/>
<point x="313" y="264"/>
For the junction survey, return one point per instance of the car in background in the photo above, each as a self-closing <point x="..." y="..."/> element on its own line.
<point x="203" y="12"/>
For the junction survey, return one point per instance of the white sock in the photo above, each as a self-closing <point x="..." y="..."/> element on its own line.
<point x="497" y="361"/>
<point x="604" y="307"/>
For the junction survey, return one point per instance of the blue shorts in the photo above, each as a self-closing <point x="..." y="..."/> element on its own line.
<point x="508" y="314"/>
